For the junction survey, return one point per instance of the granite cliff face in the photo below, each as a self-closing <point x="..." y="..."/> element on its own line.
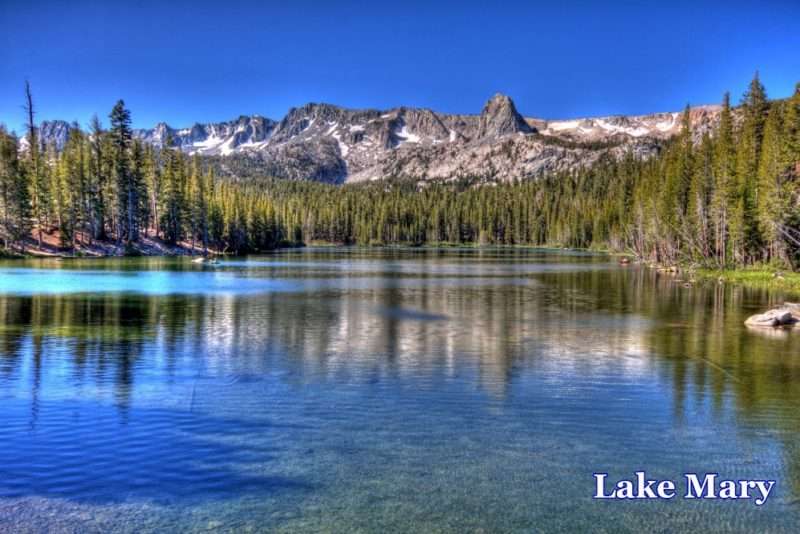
<point x="500" y="117"/>
<point x="334" y="144"/>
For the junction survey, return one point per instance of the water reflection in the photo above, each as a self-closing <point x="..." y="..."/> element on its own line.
<point x="595" y="321"/>
<point x="232" y="389"/>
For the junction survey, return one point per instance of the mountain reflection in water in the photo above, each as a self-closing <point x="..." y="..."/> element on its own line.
<point x="330" y="389"/>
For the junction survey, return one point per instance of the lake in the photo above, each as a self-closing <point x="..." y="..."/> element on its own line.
<point x="384" y="390"/>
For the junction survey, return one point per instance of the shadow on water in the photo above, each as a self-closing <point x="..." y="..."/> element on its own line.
<point x="410" y="314"/>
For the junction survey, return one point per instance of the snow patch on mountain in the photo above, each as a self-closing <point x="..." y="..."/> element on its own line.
<point x="335" y="144"/>
<point x="407" y="137"/>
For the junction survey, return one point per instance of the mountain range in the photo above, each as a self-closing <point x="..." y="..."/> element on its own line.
<point x="334" y="144"/>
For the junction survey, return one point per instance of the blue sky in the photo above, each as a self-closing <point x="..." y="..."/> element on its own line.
<point x="183" y="62"/>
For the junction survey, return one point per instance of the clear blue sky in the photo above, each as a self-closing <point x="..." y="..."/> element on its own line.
<point x="183" y="62"/>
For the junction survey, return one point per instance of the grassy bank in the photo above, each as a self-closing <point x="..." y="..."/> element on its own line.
<point x="762" y="277"/>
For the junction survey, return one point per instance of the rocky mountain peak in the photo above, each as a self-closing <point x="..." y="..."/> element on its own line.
<point x="334" y="144"/>
<point x="500" y="117"/>
<point x="51" y="134"/>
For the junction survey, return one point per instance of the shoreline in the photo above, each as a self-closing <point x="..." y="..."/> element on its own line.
<point x="153" y="247"/>
<point x="146" y="246"/>
<point x="758" y="277"/>
<point x="761" y="277"/>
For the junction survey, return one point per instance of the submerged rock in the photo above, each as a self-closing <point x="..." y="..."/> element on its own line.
<point x="777" y="317"/>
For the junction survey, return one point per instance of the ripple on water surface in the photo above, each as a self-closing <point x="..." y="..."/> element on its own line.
<point x="380" y="391"/>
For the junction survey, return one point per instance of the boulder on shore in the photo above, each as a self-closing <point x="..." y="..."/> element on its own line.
<point x="776" y="317"/>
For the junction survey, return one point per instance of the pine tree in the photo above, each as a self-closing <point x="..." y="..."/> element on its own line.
<point x="9" y="168"/>
<point x="127" y="201"/>
<point x="198" y="211"/>
<point x="789" y="226"/>
<point x="139" y="201"/>
<point x="14" y="194"/>
<point x="700" y="229"/>
<point x="152" y="183"/>
<point x="174" y="185"/>
<point x="754" y="108"/>
<point x="791" y="134"/>
<point x="771" y="206"/>
<point x="36" y="171"/>
<point x="97" y="178"/>
<point x="725" y="196"/>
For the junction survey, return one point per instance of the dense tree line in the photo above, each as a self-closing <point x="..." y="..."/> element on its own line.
<point x="729" y="198"/>
<point x="105" y="185"/>
<point x="726" y="197"/>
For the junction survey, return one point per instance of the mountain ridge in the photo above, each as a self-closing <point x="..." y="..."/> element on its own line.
<point x="330" y="143"/>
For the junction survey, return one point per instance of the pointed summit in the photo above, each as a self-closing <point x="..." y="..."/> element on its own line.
<point x="500" y="117"/>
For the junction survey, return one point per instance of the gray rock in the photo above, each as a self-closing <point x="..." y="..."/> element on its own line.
<point x="773" y="318"/>
<point x="500" y="117"/>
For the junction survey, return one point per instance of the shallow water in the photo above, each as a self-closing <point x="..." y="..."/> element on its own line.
<point x="389" y="390"/>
